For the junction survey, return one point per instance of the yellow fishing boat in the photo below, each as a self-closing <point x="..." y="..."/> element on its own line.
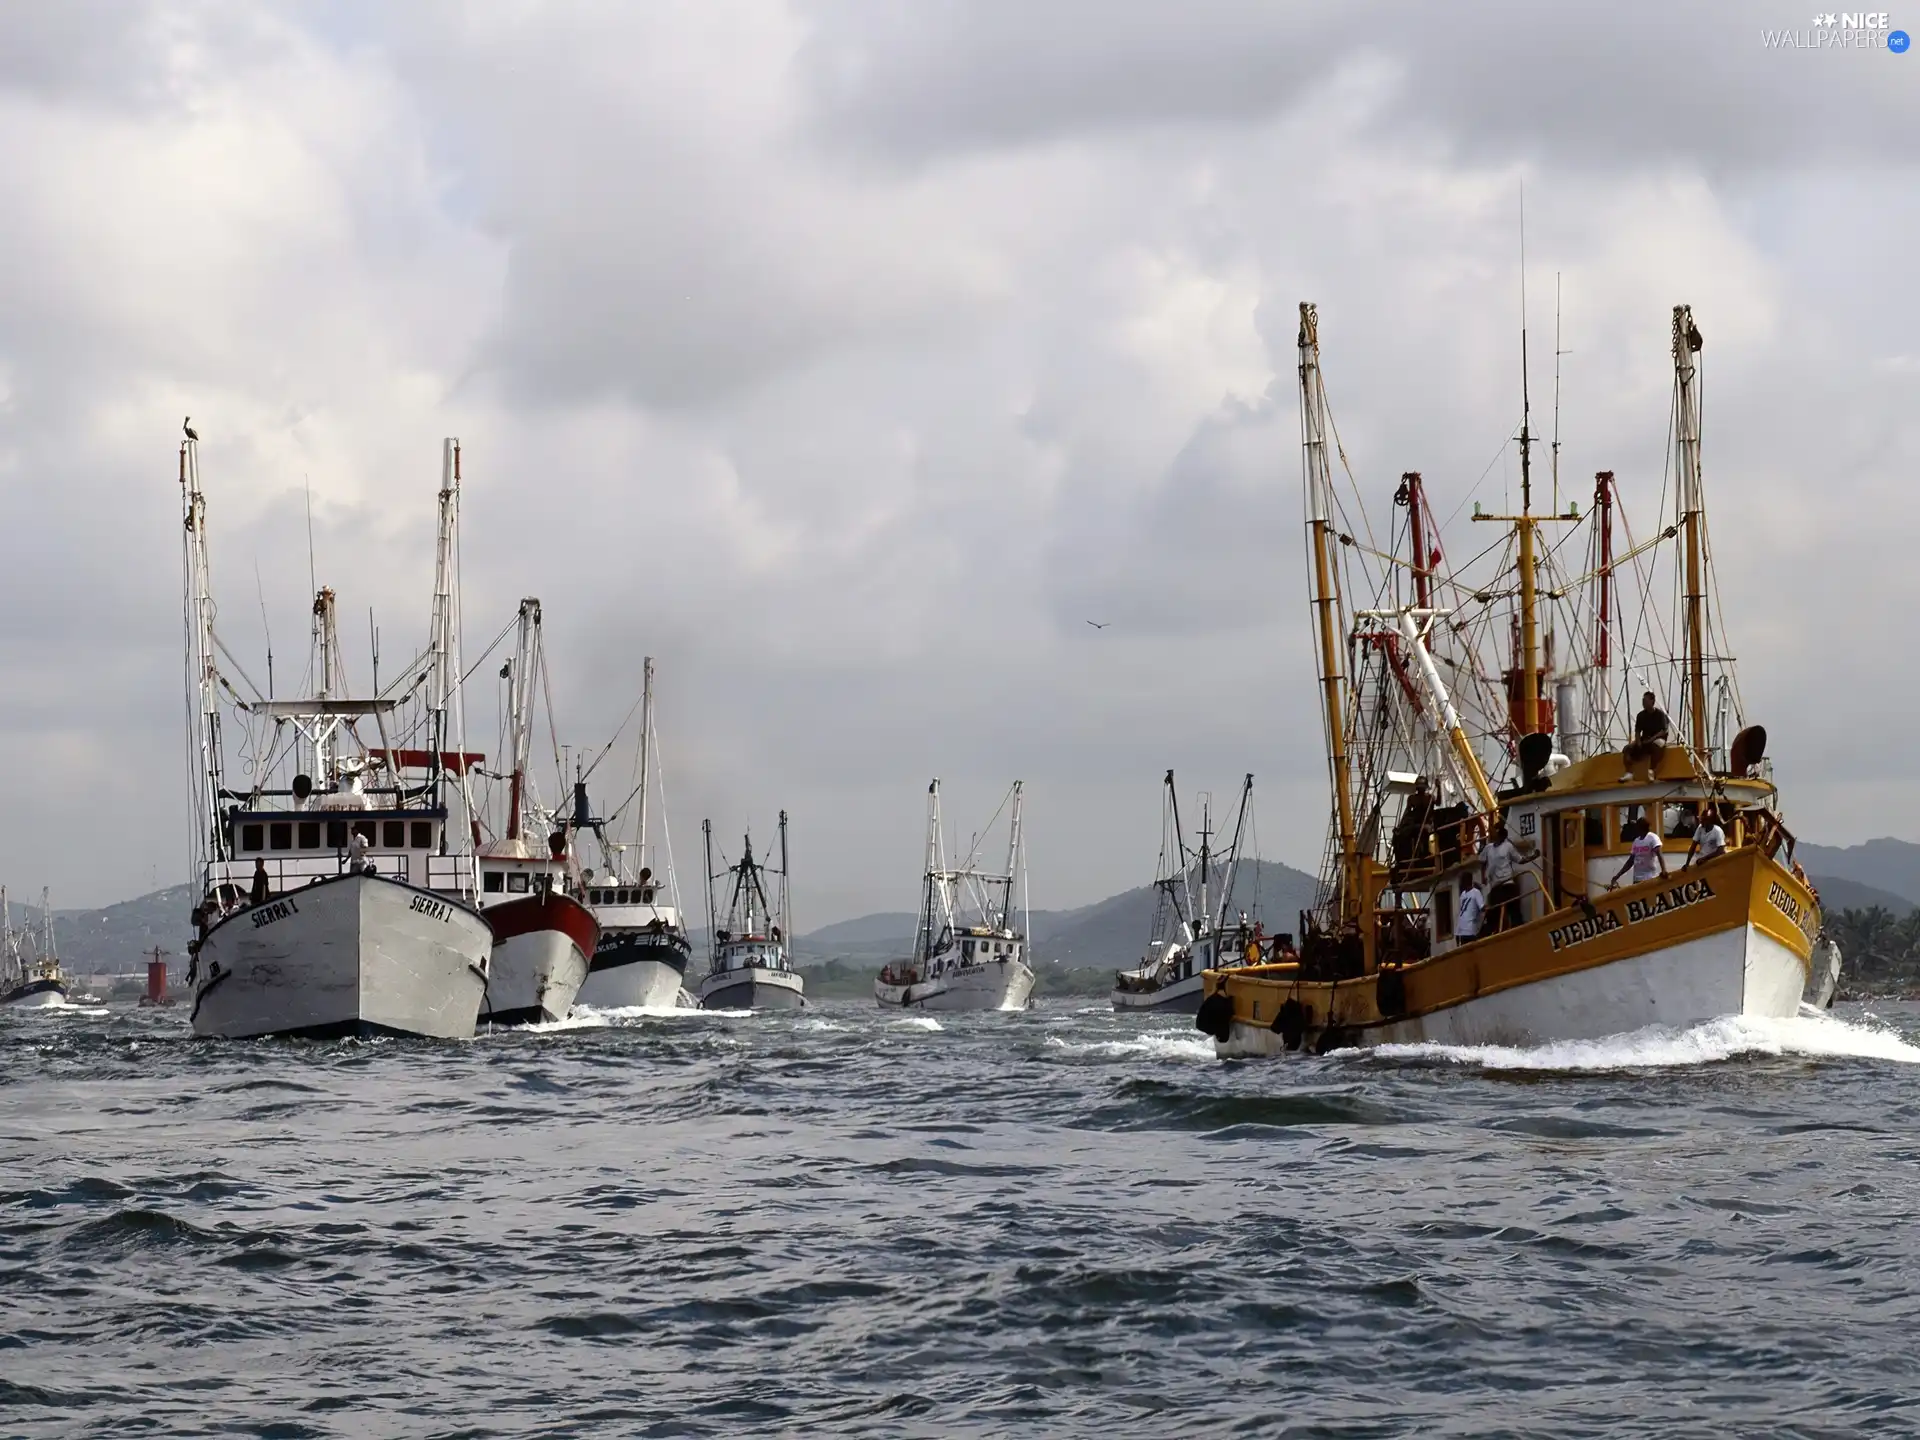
<point x="1638" y="871"/>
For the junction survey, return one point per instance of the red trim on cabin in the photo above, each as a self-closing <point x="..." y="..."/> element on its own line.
<point x="545" y="912"/>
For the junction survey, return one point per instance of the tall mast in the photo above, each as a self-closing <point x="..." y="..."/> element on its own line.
<point x="1529" y="717"/>
<point x="203" y="676"/>
<point x="1013" y="858"/>
<point x="713" y="933"/>
<point x="441" y="681"/>
<point x="786" y="899"/>
<point x="326" y="650"/>
<point x="1414" y="490"/>
<point x="932" y="869"/>
<point x="1687" y="344"/>
<point x="1325" y="599"/>
<point x="646" y="747"/>
<point x="46" y="925"/>
<point x="1204" y="914"/>
<point x="1233" y="855"/>
<point x="520" y="682"/>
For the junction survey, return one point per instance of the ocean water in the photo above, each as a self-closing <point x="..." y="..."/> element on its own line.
<point x="1062" y="1222"/>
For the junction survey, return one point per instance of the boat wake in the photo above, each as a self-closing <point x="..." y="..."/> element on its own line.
<point x="1657" y="1047"/>
<point x="915" y="1022"/>
<point x="589" y="1016"/>
<point x="1152" y="1045"/>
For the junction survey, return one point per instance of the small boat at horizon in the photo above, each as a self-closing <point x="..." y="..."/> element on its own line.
<point x="1191" y="933"/>
<point x="750" y="964"/>
<point x="968" y="953"/>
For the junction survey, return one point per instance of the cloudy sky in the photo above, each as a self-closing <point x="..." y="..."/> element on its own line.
<point x="848" y="358"/>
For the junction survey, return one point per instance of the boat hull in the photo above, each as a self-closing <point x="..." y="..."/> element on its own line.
<point x="753" y="988"/>
<point x="1178" y="997"/>
<point x="354" y="954"/>
<point x="1732" y="937"/>
<point x="636" y="968"/>
<point x="541" y="949"/>
<point x="997" y="985"/>
<point x="36" y="995"/>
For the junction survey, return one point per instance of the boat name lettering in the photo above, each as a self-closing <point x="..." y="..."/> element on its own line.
<point x="276" y="910"/>
<point x="427" y="905"/>
<point x="1782" y="899"/>
<point x="1678" y="898"/>
<point x="1604" y="922"/>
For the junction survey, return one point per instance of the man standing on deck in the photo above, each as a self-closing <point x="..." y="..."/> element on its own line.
<point x="1472" y="906"/>
<point x="1709" y="839"/>
<point x="1500" y="859"/>
<point x="1646" y="860"/>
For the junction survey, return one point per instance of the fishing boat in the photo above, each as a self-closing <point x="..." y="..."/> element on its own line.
<point x="544" y="935"/>
<point x="968" y="953"/>
<point x="1191" y="931"/>
<point x="1462" y="748"/>
<point x="644" y="949"/>
<point x="339" y="899"/>
<point x="29" y="983"/>
<point x="750" y="966"/>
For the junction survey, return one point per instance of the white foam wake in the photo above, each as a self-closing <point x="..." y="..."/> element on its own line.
<point x="1150" y="1045"/>
<point x="916" y="1022"/>
<point x="1818" y="1036"/>
<point x="589" y="1015"/>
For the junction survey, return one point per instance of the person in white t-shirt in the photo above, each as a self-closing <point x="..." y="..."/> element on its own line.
<point x="1472" y="906"/>
<point x="1500" y="861"/>
<point x="1709" y="839"/>
<point x="1646" y="860"/>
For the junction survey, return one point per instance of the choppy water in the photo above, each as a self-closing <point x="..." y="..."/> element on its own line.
<point x="1058" y="1223"/>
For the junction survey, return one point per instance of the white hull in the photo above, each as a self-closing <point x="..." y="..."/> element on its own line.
<point x="347" y="955"/>
<point x="1742" y="971"/>
<point x="535" y="977"/>
<point x="996" y="985"/>
<point x="752" y="988"/>
<point x="653" y="984"/>
<point x="1180" y="997"/>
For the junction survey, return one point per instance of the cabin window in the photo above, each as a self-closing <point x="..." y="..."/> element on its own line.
<point x="336" y="834"/>
<point x="253" y="837"/>
<point x="646" y="895"/>
<point x="422" y="835"/>
<point x="1596" y="830"/>
<point x="491" y="882"/>
<point x="517" y="883"/>
<point x="393" y="834"/>
<point x="364" y="829"/>
<point x="309" y="834"/>
<point x="1443" y="913"/>
<point x="1629" y="821"/>
<point x="1680" y="822"/>
<point x="280" y="835"/>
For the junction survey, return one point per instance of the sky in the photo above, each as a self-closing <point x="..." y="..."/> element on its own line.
<point x="848" y="358"/>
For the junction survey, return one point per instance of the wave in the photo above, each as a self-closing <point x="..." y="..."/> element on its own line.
<point x="916" y="1022"/>
<point x="1152" y="1045"/>
<point x="1659" y="1047"/>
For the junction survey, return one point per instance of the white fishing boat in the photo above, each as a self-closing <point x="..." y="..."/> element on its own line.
<point x="750" y="966"/>
<point x="968" y="953"/>
<point x="25" y="983"/>
<point x="1462" y="750"/>
<point x="644" y="949"/>
<point x="1192" y="932"/>
<point x="543" y="933"/>
<point x="340" y="901"/>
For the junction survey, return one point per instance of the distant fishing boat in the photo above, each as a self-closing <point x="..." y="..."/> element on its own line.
<point x="644" y="949"/>
<point x="38" y="982"/>
<point x="750" y="964"/>
<point x="968" y="952"/>
<point x="1461" y="750"/>
<point x="544" y="936"/>
<point x="340" y="901"/>
<point x="1191" y="931"/>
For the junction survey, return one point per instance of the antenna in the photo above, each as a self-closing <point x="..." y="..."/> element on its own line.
<point x="1557" y="353"/>
<point x="260" y="591"/>
<point x="313" y="583"/>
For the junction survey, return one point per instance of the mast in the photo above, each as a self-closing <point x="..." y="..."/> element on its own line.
<point x="326" y="649"/>
<point x="932" y="870"/>
<point x="440" y="663"/>
<point x="1233" y="854"/>
<point x="1414" y="491"/>
<point x="47" y="951"/>
<point x="203" y="676"/>
<point x="9" y="949"/>
<point x="1013" y="859"/>
<point x="713" y="933"/>
<point x="646" y="747"/>
<point x="1686" y="344"/>
<point x="1325" y="599"/>
<point x="786" y="899"/>
<point x="520" y="682"/>
<point x="1529" y="717"/>
<point x="1204" y="913"/>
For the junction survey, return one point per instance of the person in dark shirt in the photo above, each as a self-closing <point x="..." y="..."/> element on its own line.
<point x="1650" y="730"/>
<point x="262" y="886"/>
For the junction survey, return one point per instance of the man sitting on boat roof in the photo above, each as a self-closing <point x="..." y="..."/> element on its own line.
<point x="1650" y="730"/>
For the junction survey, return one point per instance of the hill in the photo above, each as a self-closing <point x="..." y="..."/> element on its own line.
<point x="114" y="940"/>
<point x="1885" y="864"/>
<point x="1837" y="894"/>
<point x="1106" y="934"/>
